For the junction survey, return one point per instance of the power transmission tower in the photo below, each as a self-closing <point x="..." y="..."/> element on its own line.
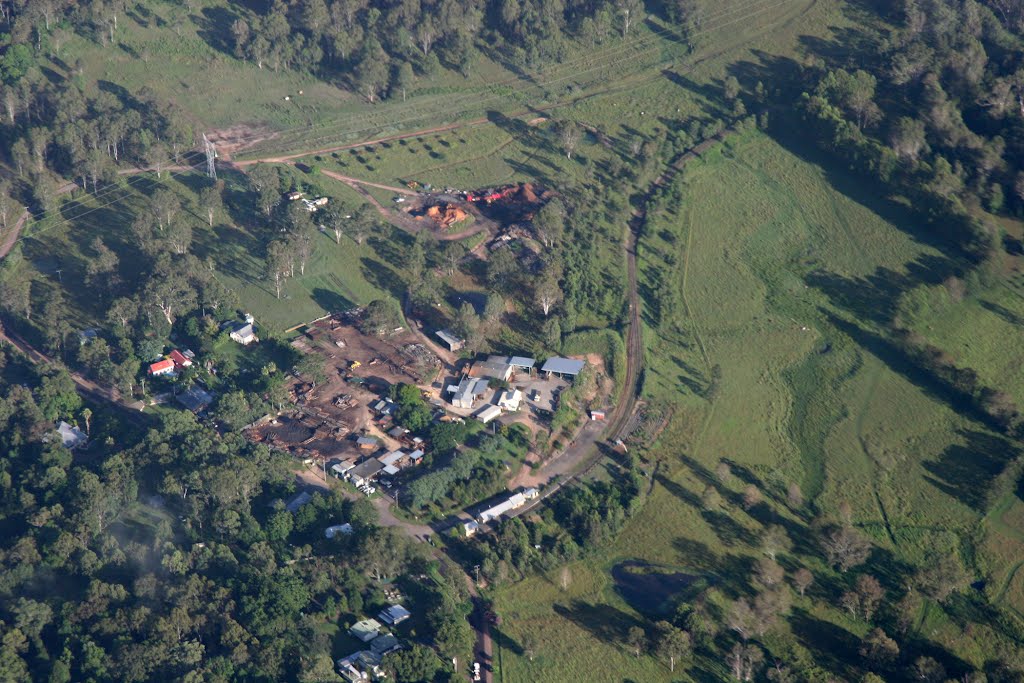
<point x="211" y="155"/>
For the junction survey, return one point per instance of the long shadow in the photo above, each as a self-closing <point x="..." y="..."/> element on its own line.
<point x="215" y="27"/>
<point x="382" y="278"/>
<point x="902" y="364"/>
<point x="730" y="532"/>
<point x="506" y="642"/>
<point x="1003" y="312"/>
<point x="697" y="554"/>
<point x="876" y="296"/>
<point x="678" y="491"/>
<point x="710" y="93"/>
<point x="330" y="300"/>
<point x="833" y="646"/>
<point x="966" y="472"/>
<point x="606" y="623"/>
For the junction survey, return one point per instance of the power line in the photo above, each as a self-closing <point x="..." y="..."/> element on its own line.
<point x="205" y="162"/>
<point x="428" y="114"/>
<point x="538" y="83"/>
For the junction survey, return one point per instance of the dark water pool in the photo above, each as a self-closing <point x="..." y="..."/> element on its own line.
<point x="650" y="588"/>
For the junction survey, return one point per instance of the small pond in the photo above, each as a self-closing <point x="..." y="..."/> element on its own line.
<point x="651" y="588"/>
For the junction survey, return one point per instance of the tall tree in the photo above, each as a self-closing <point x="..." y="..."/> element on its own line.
<point x="210" y="200"/>
<point x="277" y="265"/>
<point x="673" y="643"/>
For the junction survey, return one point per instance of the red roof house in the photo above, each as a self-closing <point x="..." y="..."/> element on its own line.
<point x="179" y="360"/>
<point x="161" y="367"/>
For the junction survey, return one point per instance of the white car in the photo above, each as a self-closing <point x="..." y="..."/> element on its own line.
<point x="476" y="671"/>
<point x="399" y="200"/>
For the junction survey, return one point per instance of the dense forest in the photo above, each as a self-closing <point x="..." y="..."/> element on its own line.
<point x="936" y="109"/>
<point x="212" y="580"/>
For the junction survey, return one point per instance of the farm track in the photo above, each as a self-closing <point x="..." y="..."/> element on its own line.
<point x="86" y="387"/>
<point x="862" y="442"/>
<point x="587" y="440"/>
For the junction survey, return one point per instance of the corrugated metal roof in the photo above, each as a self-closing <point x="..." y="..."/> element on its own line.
<point x="449" y="338"/>
<point x="563" y="366"/>
<point x="521" y="362"/>
<point x="391" y="458"/>
<point x="488" y="413"/>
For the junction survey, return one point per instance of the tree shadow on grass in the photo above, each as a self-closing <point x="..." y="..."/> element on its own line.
<point x="966" y="471"/>
<point x="606" y="623"/>
<point x="679" y="491"/>
<point x="507" y="642"/>
<point x="902" y="364"/>
<point x="382" y="277"/>
<point x="330" y="300"/>
<point x="696" y="383"/>
<point x="834" y="647"/>
<point x="1003" y="312"/>
<point x="876" y="296"/>
<point x="215" y="28"/>
<point x="236" y="253"/>
<point x="730" y="532"/>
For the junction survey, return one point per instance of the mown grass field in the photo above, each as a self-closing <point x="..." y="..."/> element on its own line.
<point x="784" y="270"/>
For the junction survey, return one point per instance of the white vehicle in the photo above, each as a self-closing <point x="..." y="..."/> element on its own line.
<point x="476" y="671"/>
<point x="370" y="490"/>
<point x="399" y="200"/>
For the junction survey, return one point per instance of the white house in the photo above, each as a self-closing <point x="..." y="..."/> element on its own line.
<point x="510" y="399"/>
<point x="243" y="333"/>
<point x="513" y="502"/>
<point x="70" y="437"/>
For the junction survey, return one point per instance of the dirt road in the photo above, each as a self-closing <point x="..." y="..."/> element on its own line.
<point x="86" y="387"/>
<point x="12" y="234"/>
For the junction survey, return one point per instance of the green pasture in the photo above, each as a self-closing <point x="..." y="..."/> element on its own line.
<point x="784" y="271"/>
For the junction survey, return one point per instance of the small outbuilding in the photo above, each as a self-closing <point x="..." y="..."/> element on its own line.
<point x="488" y="413"/>
<point x="510" y="399"/>
<point x="367" y="443"/>
<point x="394" y="615"/>
<point x="365" y="630"/>
<point x="452" y="341"/>
<point x="563" y="367"/>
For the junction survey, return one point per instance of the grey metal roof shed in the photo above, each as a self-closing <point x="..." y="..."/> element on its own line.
<point x="563" y="366"/>
<point x="522" y="362"/>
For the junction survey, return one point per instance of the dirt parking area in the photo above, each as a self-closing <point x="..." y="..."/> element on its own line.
<point x="359" y="370"/>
